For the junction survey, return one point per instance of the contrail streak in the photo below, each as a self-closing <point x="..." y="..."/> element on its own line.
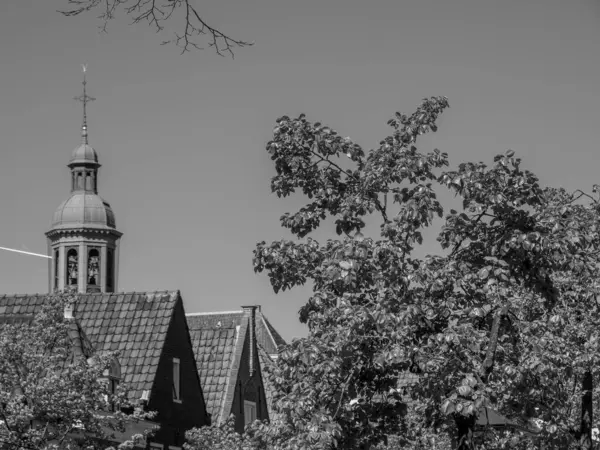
<point x="26" y="253"/>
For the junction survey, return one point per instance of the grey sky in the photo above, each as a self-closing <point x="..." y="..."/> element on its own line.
<point x="181" y="138"/>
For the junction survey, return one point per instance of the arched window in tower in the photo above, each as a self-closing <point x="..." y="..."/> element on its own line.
<point x="109" y="271"/>
<point x="80" y="180"/>
<point x="72" y="267"/>
<point x="56" y="268"/>
<point x="93" y="268"/>
<point x="88" y="181"/>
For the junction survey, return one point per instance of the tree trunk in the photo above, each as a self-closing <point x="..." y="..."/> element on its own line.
<point x="465" y="427"/>
<point x="585" y="435"/>
<point x="490" y="354"/>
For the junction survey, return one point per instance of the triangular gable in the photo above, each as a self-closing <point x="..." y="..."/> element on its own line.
<point x="134" y="323"/>
<point x="267" y="336"/>
<point x="217" y="340"/>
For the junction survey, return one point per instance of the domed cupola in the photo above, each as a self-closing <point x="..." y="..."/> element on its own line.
<point x="84" y="154"/>
<point x="83" y="237"/>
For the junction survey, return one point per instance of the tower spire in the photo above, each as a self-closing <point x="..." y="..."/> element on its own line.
<point x="84" y="99"/>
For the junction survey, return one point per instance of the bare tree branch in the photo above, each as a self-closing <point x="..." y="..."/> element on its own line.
<point x="157" y="13"/>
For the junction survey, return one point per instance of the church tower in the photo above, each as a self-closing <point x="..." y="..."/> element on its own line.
<point x="83" y="239"/>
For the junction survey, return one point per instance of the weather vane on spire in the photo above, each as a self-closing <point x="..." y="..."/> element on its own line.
<point x="84" y="98"/>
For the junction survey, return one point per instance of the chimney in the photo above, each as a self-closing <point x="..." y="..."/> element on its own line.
<point x="250" y="312"/>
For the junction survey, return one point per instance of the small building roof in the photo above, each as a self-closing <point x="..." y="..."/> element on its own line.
<point x="134" y="323"/>
<point x="218" y="340"/>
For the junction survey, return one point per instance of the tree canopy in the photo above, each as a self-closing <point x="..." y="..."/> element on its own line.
<point x="504" y="317"/>
<point x="420" y="352"/>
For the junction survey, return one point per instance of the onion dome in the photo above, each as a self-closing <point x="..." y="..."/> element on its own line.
<point x="84" y="210"/>
<point x="84" y="154"/>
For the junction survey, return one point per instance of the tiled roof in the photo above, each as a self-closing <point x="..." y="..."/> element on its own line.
<point x="134" y="323"/>
<point x="214" y="338"/>
<point x="216" y="342"/>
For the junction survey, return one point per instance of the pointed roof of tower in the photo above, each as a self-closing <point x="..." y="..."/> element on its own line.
<point x="84" y="208"/>
<point x="84" y="154"/>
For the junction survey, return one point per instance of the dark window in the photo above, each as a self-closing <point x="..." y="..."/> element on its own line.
<point x="72" y="267"/>
<point x="176" y="379"/>
<point x="109" y="271"/>
<point x="56" y="269"/>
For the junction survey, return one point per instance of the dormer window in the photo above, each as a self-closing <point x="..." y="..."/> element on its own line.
<point x="113" y="375"/>
<point x="176" y="380"/>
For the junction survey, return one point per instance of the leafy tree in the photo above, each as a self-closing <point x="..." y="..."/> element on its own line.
<point x="223" y="437"/>
<point x="504" y="317"/>
<point x="54" y="390"/>
<point x="157" y="14"/>
<point x="406" y="351"/>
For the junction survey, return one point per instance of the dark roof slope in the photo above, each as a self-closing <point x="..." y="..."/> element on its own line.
<point x="267" y="362"/>
<point x="134" y="323"/>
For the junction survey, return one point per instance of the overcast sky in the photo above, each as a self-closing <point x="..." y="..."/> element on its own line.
<point x="181" y="139"/>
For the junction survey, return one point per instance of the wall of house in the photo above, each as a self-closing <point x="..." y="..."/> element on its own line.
<point x="248" y="387"/>
<point x="176" y="418"/>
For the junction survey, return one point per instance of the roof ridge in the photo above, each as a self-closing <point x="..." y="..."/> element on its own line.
<point x="172" y="292"/>
<point x="234" y="369"/>
<point x="213" y="313"/>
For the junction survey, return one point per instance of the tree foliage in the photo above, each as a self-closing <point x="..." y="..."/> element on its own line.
<point x="158" y="14"/>
<point x="406" y="351"/>
<point x="51" y="394"/>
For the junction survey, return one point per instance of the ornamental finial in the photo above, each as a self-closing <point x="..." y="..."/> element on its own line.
<point x="84" y="98"/>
